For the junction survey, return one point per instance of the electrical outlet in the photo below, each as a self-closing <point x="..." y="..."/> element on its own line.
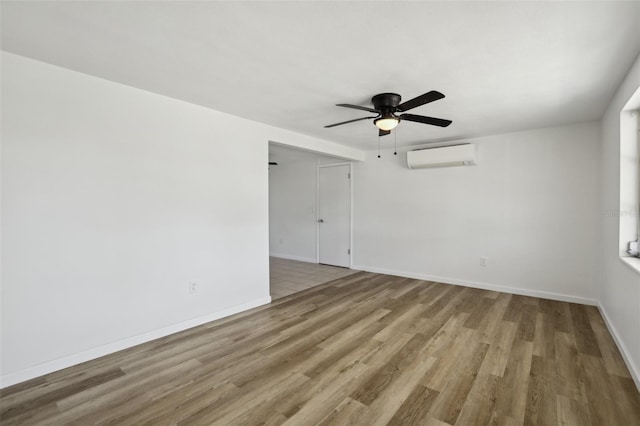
<point x="483" y="261"/>
<point x="193" y="287"/>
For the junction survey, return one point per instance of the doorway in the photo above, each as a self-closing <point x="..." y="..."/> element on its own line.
<point x="300" y="184"/>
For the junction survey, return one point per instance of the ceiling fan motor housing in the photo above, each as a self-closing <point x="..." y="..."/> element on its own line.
<point x="386" y="101"/>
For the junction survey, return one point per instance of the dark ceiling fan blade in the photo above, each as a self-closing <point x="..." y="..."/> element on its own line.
<point x="384" y="132"/>
<point x="420" y="100"/>
<point x="426" y="120"/>
<point x="350" y="121"/>
<point x="358" y="107"/>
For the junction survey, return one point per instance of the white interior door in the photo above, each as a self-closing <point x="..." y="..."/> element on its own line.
<point x="334" y="215"/>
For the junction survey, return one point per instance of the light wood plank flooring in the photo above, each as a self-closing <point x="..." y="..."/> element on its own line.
<point x="291" y="276"/>
<point x="367" y="349"/>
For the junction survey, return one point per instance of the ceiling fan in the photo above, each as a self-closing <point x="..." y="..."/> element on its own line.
<point x="387" y="105"/>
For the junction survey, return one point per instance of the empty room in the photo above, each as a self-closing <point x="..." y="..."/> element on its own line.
<point x="320" y="213"/>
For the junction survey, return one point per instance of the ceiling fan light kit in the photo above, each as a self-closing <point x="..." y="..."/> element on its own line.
<point x="386" y="123"/>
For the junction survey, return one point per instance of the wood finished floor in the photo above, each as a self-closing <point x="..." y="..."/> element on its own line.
<point x="288" y="276"/>
<point x="367" y="349"/>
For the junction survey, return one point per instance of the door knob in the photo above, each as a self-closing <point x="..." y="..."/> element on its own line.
<point x="320" y="220"/>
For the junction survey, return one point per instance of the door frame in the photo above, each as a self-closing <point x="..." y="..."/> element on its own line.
<point x="343" y="163"/>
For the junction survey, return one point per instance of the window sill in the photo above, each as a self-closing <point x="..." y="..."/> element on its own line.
<point x="632" y="262"/>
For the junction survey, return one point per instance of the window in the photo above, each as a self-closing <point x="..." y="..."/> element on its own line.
<point x="630" y="178"/>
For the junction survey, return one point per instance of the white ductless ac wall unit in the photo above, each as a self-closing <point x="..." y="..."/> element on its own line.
<point x="444" y="156"/>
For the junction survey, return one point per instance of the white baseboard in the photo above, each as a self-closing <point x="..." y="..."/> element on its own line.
<point x="290" y="257"/>
<point x="483" y="286"/>
<point x="633" y="369"/>
<point x="71" y="360"/>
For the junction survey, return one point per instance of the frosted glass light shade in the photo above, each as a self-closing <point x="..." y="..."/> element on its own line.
<point x="386" y="123"/>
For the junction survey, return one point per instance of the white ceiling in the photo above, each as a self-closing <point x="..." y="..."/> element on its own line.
<point x="503" y="66"/>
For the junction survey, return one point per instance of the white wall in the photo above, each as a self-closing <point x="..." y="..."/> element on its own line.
<point x="620" y="291"/>
<point x="113" y="199"/>
<point x="530" y="207"/>
<point x="292" y="210"/>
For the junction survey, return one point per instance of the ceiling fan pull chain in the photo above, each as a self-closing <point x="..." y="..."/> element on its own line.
<point x="395" y="141"/>
<point x="378" y="145"/>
